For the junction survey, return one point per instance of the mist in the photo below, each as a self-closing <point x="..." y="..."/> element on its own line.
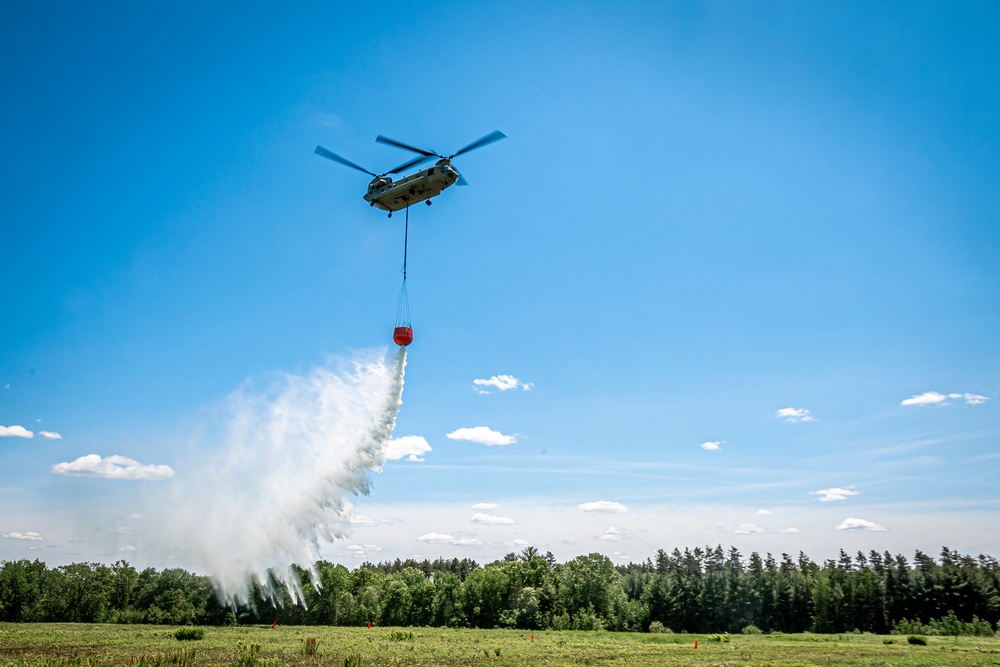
<point x="282" y="460"/>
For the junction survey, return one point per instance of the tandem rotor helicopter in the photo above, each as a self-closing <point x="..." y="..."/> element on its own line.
<point x="388" y="195"/>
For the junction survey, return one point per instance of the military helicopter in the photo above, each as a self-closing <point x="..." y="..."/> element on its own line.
<point x="388" y="195"/>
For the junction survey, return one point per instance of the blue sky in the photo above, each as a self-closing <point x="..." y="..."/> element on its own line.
<point x="704" y="214"/>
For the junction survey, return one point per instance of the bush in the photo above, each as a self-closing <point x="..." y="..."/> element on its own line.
<point x="917" y="640"/>
<point x="658" y="628"/>
<point x="751" y="630"/>
<point x="185" y="634"/>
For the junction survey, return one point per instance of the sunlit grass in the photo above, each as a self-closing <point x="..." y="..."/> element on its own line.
<point x="81" y="645"/>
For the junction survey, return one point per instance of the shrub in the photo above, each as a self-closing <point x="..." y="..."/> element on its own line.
<point x="751" y="630"/>
<point x="185" y="634"/>
<point x="309" y="646"/>
<point x="400" y="636"/>
<point x="658" y="628"/>
<point x="917" y="640"/>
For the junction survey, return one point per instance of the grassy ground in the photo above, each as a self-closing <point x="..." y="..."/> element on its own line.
<point x="80" y="645"/>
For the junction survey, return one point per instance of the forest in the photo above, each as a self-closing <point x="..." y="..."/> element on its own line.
<point x="700" y="590"/>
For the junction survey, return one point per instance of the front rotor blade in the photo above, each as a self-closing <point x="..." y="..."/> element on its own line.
<point x="330" y="155"/>
<point x="461" y="180"/>
<point x="406" y="165"/>
<point x="495" y="135"/>
<point x="399" y="144"/>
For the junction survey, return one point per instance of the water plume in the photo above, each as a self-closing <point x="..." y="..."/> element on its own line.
<point x="292" y="453"/>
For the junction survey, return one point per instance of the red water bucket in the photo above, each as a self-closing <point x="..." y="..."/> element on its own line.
<point x="402" y="335"/>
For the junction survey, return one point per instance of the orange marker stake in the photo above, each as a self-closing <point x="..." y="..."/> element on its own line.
<point x="696" y="643"/>
<point x="532" y="636"/>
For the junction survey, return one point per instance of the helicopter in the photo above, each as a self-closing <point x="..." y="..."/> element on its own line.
<point x="388" y="195"/>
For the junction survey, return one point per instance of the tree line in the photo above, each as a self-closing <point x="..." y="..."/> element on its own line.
<point x="700" y="590"/>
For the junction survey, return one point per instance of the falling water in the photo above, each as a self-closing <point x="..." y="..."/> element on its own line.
<point x="293" y="452"/>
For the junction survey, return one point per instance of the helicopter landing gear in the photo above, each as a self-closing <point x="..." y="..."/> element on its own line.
<point x="390" y="214"/>
<point x="428" y="202"/>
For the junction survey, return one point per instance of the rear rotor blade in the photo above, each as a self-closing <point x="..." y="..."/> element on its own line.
<point x="495" y="135"/>
<point x="412" y="163"/>
<point x="330" y="155"/>
<point x="399" y="144"/>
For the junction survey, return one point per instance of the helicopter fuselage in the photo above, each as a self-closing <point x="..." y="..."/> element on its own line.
<point x="389" y="195"/>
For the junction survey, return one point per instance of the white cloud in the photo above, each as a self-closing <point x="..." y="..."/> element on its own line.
<point x="413" y="447"/>
<point x="50" y="435"/>
<point x="936" y="398"/>
<point x="789" y="530"/>
<point x="926" y="398"/>
<point x="485" y="506"/>
<point x="519" y="543"/>
<point x="500" y="382"/>
<point x="794" y="415"/>
<point x="30" y="536"/>
<point x="445" y="538"/>
<point x="748" y="529"/>
<point x="361" y="550"/>
<point x="135" y="517"/>
<point x="711" y="446"/>
<point x="15" y="432"/>
<point x="612" y="534"/>
<point x="112" y="467"/>
<point x="128" y="548"/>
<point x="830" y="495"/>
<point x="764" y="512"/>
<point x="484" y="435"/>
<point x="602" y="506"/>
<point x="860" y="524"/>
<point x="491" y="520"/>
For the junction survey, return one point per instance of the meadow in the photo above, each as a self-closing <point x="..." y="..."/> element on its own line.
<point x="87" y="645"/>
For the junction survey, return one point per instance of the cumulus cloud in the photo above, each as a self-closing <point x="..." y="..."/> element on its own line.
<point x="789" y="530"/>
<point x="764" y="512"/>
<point x="602" y="506"/>
<point x="128" y="548"/>
<point x="936" y="398"/>
<point x="860" y="524"/>
<point x="830" y="495"/>
<point x="612" y="534"/>
<point x="15" y="432"/>
<point x="361" y="550"/>
<point x="484" y="435"/>
<point x="711" y="446"/>
<point x="519" y="543"/>
<point x="112" y="467"/>
<point x="491" y="520"/>
<point x="500" y="383"/>
<point x="412" y="447"/>
<point x="30" y="536"/>
<point x="794" y="415"/>
<point x="50" y="435"/>
<point x="485" y="506"/>
<point x="748" y="529"/>
<point x="445" y="538"/>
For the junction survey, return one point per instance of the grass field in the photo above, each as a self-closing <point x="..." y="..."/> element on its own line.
<point x="70" y="645"/>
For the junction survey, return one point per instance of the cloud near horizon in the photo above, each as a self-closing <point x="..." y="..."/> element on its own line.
<point x="30" y="536"/>
<point x="112" y="467"/>
<point x="483" y="435"/>
<point x="445" y="538"/>
<point x="491" y="520"/>
<point x="830" y="495"/>
<point x="500" y="383"/>
<point x="860" y="524"/>
<point x="748" y="528"/>
<point x="711" y="446"/>
<point x="602" y="506"/>
<point x="413" y="447"/>
<point x="936" y="398"/>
